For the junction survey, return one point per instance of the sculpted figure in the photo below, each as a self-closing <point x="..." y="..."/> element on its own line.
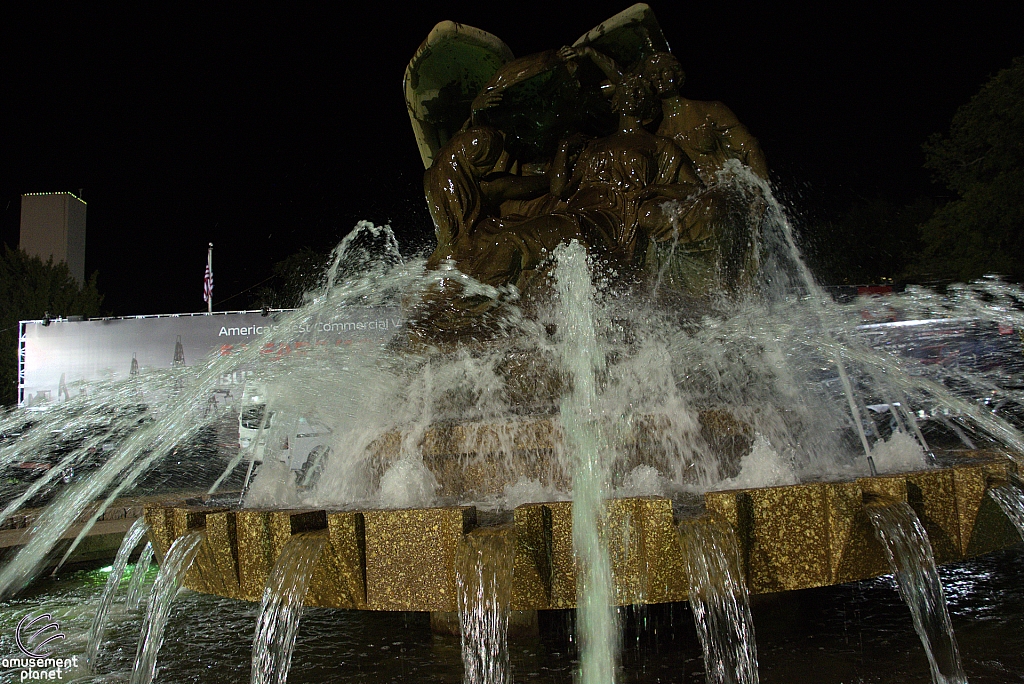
<point x="544" y="158"/>
<point x="608" y="188"/>
<point x="464" y="193"/>
<point x="708" y="132"/>
<point x="615" y="178"/>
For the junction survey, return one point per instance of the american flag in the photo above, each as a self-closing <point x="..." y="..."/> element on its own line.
<point x="208" y="278"/>
<point x="208" y="284"/>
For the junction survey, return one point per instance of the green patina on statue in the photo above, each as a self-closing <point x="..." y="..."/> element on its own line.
<point x="592" y="143"/>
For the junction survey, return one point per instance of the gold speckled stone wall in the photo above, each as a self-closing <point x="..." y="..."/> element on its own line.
<point x="339" y="576"/>
<point x="663" y="566"/>
<point x="647" y="563"/>
<point x="853" y="551"/>
<point x="563" y="561"/>
<point x="790" y="537"/>
<point x="160" y="519"/>
<point x="983" y="526"/>
<point x="932" y="495"/>
<point x="789" y="547"/>
<point x="622" y="531"/>
<point x="218" y="556"/>
<point x="261" y="537"/>
<point x="410" y="557"/>
<point x="204" y="574"/>
<point x="531" y="572"/>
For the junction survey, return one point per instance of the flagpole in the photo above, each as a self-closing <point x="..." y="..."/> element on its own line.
<point x="209" y="269"/>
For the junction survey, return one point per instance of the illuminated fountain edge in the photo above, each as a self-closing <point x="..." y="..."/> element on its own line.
<point x="790" y="537"/>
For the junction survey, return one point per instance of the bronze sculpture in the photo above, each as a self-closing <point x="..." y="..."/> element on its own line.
<point x="591" y="143"/>
<point x="708" y="132"/>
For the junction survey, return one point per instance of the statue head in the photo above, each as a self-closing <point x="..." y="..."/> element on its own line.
<point x="633" y="97"/>
<point x="663" y="72"/>
<point x="476" y="149"/>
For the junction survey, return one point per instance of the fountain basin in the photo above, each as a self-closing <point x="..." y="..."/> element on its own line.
<point x="481" y="459"/>
<point x="791" y="537"/>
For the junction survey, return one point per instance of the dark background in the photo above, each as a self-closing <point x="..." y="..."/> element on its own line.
<point x="264" y="132"/>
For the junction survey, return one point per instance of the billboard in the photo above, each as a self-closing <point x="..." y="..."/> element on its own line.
<point x="61" y="359"/>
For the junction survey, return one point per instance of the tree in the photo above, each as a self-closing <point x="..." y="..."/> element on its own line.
<point x="982" y="161"/>
<point x="32" y="289"/>
<point x="293" y="277"/>
<point x="871" y="242"/>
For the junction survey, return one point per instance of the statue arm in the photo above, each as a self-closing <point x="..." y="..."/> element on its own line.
<point x="738" y="141"/>
<point x="485" y="99"/>
<point x="602" y="61"/>
<point x="504" y="187"/>
<point x="560" y="171"/>
<point x="676" y="178"/>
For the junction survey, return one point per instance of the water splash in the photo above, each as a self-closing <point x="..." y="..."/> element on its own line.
<point x="1011" y="499"/>
<point x="720" y="603"/>
<point x="172" y="572"/>
<point x="582" y="360"/>
<point x="910" y="557"/>
<point x="99" y="623"/>
<point x="138" y="578"/>
<point x="483" y="566"/>
<point x="283" y="600"/>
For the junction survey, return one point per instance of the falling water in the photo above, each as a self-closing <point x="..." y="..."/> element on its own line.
<point x="283" y="600"/>
<point x="138" y="578"/>
<point x="910" y="557"/>
<point x="168" y="581"/>
<point x="582" y="360"/>
<point x="1011" y="500"/>
<point x="483" y="566"/>
<point x="718" y="597"/>
<point x="99" y="623"/>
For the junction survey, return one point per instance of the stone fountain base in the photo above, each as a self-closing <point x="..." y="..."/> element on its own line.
<point x="792" y="537"/>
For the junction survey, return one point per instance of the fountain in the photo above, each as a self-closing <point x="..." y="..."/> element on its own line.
<point x="614" y="336"/>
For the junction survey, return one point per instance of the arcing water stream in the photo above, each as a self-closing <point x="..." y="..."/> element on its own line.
<point x="281" y="610"/>
<point x="99" y="624"/>
<point x="910" y="556"/>
<point x="718" y="598"/>
<point x="483" y="566"/>
<point x="165" y="588"/>
<point x="138" y="578"/>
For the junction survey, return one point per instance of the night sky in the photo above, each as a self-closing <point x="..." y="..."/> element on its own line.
<point x="264" y="132"/>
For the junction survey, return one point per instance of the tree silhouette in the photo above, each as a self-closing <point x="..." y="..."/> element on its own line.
<point x="31" y="289"/>
<point x="982" y="161"/>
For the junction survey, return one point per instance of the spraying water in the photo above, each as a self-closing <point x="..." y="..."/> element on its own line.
<point x="99" y="623"/>
<point x="483" y="566"/>
<point x="910" y="557"/>
<point x="172" y="572"/>
<point x="1011" y="500"/>
<point x="581" y="420"/>
<point x="138" y="578"/>
<point x="283" y="600"/>
<point x="718" y="597"/>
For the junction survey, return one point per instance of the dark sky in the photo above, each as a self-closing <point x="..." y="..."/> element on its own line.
<point x="266" y="131"/>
